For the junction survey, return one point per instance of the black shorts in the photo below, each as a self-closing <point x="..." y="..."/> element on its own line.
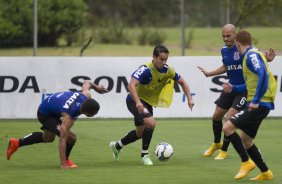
<point x="249" y="121"/>
<point x="235" y="100"/>
<point x="138" y="118"/>
<point x="49" y="123"/>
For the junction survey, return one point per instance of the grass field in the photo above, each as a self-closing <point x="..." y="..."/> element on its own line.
<point x="189" y="137"/>
<point x="205" y="42"/>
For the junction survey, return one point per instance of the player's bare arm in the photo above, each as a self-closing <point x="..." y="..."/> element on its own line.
<point x="67" y="123"/>
<point x="220" y="70"/>
<point x="187" y="92"/>
<point x="132" y="90"/>
<point x="87" y="85"/>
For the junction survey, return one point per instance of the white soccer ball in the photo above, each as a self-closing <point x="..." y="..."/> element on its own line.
<point x="163" y="151"/>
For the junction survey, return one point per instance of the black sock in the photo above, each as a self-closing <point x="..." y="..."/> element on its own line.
<point x="256" y="156"/>
<point x="217" y="129"/>
<point x="68" y="150"/>
<point x="226" y="143"/>
<point x="146" y="140"/>
<point x="239" y="147"/>
<point x="33" y="138"/>
<point x="129" y="138"/>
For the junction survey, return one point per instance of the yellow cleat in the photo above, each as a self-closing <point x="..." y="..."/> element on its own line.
<point x="221" y="155"/>
<point x="245" y="168"/>
<point x="215" y="146"/>
<point x="263" y="176"/>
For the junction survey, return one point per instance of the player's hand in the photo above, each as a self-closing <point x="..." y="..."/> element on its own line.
<point x="101" y="89"/>
<point x="270" y="55"/>
<point x="140" y="107"/>
<point x="191" y="104"/>
<point x="203" y="71"/>
<point x="227" y="87"/>
<point x="253" y="106"/>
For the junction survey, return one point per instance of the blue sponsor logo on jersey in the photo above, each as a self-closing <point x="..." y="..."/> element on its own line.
<point x="139" y="71"/>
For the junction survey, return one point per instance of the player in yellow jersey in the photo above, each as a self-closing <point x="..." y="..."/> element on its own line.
<point x="151" y="85"/>
<point x="261" y="88"/>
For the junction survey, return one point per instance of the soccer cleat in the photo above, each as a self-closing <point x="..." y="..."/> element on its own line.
<point x="215" y="146"/>
<point x="70" y="164"/>
<point x="245" y="168"/>
<point x="221" y="155"/>
<point x="263" y="176"/>
<point x="14" y="144"/>
<point x="116" y="152"/>
<point x="146" y="160"/>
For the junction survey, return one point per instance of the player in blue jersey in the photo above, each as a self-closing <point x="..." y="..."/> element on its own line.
<point x="151" y="85"/>
<point x="57" y="114"/>
<point x="228" y="104"/>
<point x="261" y="87"/>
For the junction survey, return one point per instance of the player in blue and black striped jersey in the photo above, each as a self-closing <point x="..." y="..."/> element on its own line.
<point x="228" y="104"/>
<point x="57" y="114"/>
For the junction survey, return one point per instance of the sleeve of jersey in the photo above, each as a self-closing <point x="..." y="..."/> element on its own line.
<point x="176" y="76"/>
<point x="257" y="66"/>
<point x="239" y="88"/>
<point x="141" y="74"/>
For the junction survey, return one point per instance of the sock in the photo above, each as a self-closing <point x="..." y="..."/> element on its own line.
<point x="238" y="145"/>
<point x="217" y="129"/>
<point x="68" y="150"/>
<point x="256" y="156"/>
<point x="226" y="143"/>
<point x="33" y="138"/>
<point x="129" y="138"/>
<point x="146" y="140"/>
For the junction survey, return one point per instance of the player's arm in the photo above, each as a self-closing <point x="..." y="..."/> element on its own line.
<point x="256" y="65"/>
<point x="67" y="123"/>
<point x="220" y="70"/>
<point x="228" y="88"/>
<point x="187" y="92"/>
<point x="87" y="85"/>
<point x="133" y="93"/>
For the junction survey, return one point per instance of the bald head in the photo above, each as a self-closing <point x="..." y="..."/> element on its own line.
<point x="229" y="34"/>
<point x="229" y="27"/>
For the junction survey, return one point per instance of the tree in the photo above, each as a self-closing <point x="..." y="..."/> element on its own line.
<point x="55" y="19"/>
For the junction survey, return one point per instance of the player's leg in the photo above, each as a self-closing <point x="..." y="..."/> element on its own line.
<point x="238" y="104"/>
<point x="255" y="154"/>
<point x="69" y="145"/>
<point x="131" y="136"/>
<point x="223" y="151"/>
<point x="150" y="124"/>
<point x="35" y="137"/>
<point x="217" y="130"/>
<point x="239" y="120"/>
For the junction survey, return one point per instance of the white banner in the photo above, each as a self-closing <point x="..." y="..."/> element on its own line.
<point x="25" y="81"/>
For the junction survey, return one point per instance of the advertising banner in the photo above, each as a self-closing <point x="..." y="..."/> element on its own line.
<point x="26" y="81"/>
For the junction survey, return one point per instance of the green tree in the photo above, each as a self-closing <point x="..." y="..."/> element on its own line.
<point x="55" y="19"/>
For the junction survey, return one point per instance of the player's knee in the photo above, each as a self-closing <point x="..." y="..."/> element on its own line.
<point x="48" y="138"/>
<point x="228" y="128"/>
<point x="72" y="138"/>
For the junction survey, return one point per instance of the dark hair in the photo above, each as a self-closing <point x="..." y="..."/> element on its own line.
<point x="244" y="37"/>
<point x="160" y="49"/>
<point x="90" y="106"/>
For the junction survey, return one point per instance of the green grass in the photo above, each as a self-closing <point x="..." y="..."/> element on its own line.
<point x="205" y="41"/>
<point x="189" y="137"/>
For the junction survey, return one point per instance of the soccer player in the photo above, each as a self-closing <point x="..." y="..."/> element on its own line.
<point x="228" y="104"/>
<point x="65" y="105"/>
<point x="261" y="88"/>
<point x="151" y="85"/>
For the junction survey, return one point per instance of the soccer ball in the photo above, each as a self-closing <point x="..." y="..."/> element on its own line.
<point x="163" y="151"/>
